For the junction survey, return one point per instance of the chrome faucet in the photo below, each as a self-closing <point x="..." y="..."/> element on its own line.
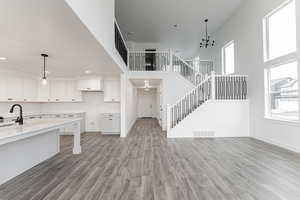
<point x="20" y="118"/>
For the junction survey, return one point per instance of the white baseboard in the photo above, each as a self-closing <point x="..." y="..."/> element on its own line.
<point x="273" y="142"/>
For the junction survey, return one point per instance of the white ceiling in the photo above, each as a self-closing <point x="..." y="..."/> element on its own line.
<point x="152" y="20"/>
<point x="31" y="27"/>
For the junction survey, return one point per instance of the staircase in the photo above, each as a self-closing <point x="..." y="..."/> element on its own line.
<point x="207" y="87"/>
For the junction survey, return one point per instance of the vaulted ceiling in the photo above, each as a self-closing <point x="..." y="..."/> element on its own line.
<point x="153" y="21"/>
<point x="32" y="27"/>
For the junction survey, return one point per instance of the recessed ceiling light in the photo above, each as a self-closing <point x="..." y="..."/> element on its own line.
<point x="3" y="58"/>
<point x="88" y="71"/>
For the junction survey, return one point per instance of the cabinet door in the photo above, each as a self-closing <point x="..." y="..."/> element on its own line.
<point x="44" y="92"/>
<point x="13" y="88"/>
<point x="90" y="84"/>
<point x="112" y="91"/>
<point x="2" y="88"/>
<point x="58" y="90"/>
<point x="117" y="91"/>
<point x="73" y="93"/>
<point x="30" y="89"/>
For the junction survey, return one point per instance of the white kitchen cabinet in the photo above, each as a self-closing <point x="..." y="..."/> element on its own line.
<point x="112" y="91"/>
<point x="90" y="84"/>
<point x="13" y="88"/>
<point x="43" y="92"/>
<point x="110" y="123"/>
<point x="21" y="88"/>
<point x="2" y="88"/>
<point x="58" y="90"/>
<point x="73" y="94"/>
<point x="30" y="89"/>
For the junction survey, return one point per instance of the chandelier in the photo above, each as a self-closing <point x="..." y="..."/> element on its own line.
<point x="206" y="42"/>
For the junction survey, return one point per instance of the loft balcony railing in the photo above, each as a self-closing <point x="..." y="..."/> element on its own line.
<point x="163" y="61"/>
<point x="120" y="44"/>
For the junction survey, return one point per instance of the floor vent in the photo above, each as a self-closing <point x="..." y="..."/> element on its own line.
<point x="204" y="134"/>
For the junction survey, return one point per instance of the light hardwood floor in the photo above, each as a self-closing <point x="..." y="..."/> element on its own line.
<point x="147" y="166"/>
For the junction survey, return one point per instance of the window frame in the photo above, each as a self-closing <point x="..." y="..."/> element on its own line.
<point x="267" y="88"/>
<point x="266" y="41"/>
<point x="277" y="62"/>
<point x="232" y="42"/>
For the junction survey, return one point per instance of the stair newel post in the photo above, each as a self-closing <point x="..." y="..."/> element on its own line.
<point x="213" y="85"/>
<point x="168" y="118"/>
<point x="170" y="60"/>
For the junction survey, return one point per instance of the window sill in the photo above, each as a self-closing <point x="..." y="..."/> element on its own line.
<point x="283" y="121"/>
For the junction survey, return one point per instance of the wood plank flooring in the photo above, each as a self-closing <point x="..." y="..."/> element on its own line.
<point x="147" y="166"/>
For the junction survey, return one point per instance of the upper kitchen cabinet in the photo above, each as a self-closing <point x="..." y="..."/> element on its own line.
<point x="58" y="90"/>
<point x="44" y="92"/>
<point x="2" y="88"/>
<point x="30" y="89"/>
<point x="73" y="94"/>
<point x="112" y="91"/>
<point x="90" y="84"/>
<point x="13" y="88"/>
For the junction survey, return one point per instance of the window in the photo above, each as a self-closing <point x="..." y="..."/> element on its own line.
<point x="283" y="93"/>
<point x="281" y="73"/>
<point x="280" y="31"/>
<point x="228" y="58"/>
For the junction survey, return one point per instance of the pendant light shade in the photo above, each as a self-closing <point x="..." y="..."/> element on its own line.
<point x="44" y="78"/>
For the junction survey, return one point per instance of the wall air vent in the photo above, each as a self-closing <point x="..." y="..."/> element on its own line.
<point x="204" y="134"/>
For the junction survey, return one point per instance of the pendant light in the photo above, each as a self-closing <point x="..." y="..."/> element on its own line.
<point x="44" y="78"/>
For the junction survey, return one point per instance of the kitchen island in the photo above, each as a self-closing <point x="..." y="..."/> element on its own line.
<point x="24" y="146"/>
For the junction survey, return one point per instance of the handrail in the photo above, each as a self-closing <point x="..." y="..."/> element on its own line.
<point x="213" y="87"/>
<point x="202" y="82"/>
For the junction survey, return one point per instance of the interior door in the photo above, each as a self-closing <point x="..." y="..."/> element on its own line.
<point x="146" y="103"/>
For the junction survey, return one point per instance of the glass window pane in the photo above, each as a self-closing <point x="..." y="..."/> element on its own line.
<point x="284" y="91"/>
<point x="282" y="31"/>
<point x="229" y="59"/>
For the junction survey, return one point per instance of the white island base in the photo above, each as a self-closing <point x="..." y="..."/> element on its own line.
<point x="23" y="147"/>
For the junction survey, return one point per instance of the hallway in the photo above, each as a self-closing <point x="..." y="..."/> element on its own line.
<point x="146" y="165"/>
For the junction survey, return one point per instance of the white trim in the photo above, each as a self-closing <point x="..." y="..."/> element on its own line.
<point x="267" y="86"/>
<point x="266" y="42"/>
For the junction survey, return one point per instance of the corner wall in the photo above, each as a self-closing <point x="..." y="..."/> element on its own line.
<point x="246" y="29"/>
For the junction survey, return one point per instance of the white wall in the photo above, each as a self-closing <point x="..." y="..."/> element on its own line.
<point x="220" y="118"/>
<point x="128" y="105"/>
<point x="99" y="16"/>
<point x="93" y="104"/>
<point x="246" y="29"/>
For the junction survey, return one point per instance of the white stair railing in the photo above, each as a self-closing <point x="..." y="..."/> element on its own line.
<point x="213" y="87"/>
<point x="137" y="61"/>
<point x="187" y="71"/>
